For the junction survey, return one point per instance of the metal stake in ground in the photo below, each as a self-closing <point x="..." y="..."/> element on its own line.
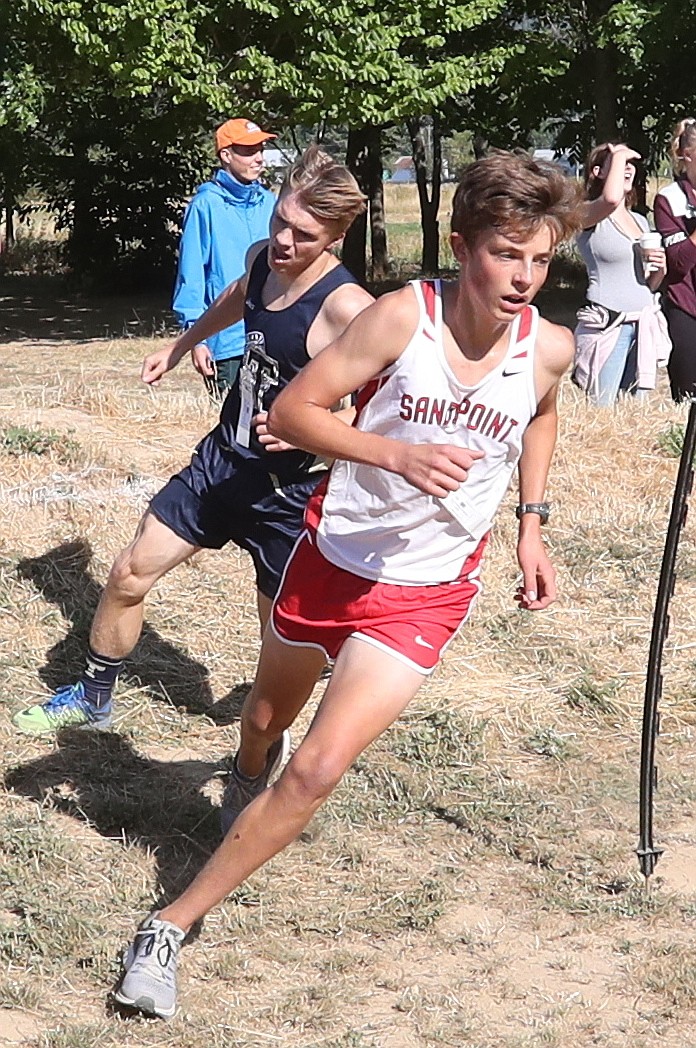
<point x="646" y="851"/>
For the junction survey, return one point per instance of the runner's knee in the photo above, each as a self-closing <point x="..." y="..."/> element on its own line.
<point x="311" y="776"/>
<point x="129" y="581"/>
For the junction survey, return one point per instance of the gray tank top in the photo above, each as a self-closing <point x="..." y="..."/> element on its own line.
<point x="614" y="266"/>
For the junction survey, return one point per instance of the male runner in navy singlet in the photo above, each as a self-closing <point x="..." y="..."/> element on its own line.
<point x="242" y="485"/>
<point x="457" y="386"/>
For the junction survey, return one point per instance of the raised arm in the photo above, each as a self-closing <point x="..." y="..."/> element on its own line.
<point x="227" y="309"/>
<point x="613" y="174"/>
<point x="374" y="340"/>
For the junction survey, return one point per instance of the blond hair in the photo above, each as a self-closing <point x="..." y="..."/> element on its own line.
<point x="683" y="138"/>
<point x="516" y="195"/>
<point x="325" y="188"/>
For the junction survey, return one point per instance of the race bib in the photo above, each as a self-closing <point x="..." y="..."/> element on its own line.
<point x="257" y="375"/>
<point x="246" y="408"/>
<point x="460" y="506"/>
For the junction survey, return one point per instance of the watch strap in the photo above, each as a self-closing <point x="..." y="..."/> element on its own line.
<point x="543" y="510"/>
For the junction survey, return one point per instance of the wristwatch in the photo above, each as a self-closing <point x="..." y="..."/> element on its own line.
<point x="542" y="508"/>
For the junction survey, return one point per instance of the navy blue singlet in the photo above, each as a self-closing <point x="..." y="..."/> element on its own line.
<point x="275" y="350"/>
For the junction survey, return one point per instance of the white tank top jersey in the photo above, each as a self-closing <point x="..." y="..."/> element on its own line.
<point x="377" y="525"/>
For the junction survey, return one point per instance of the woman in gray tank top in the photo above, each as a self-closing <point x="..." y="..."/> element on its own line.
<point x="622" y="278"/>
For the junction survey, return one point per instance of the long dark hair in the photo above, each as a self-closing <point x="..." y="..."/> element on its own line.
<point x="593" y="183"/>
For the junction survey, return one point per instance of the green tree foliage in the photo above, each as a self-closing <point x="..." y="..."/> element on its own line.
<point x="374" y="62"/>
<point x="107" y="105"/>
<point x="371" y="64"/>
<point x="106" y="89"/>
<point x="121" y="175"/>
<point x="591" y="70"/>
<point x="104" y="106"/>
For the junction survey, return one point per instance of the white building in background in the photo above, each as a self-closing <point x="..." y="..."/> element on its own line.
<point x="405" y="170"/>
<point x="279" y="159"/>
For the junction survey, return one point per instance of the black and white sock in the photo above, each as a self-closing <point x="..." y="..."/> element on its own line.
<point x="99" y="676"/>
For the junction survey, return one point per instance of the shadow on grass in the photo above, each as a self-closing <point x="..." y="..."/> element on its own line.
<point x="98" y="778"/>
<point x="62" y="577"/>
<point x="47" y="308"/>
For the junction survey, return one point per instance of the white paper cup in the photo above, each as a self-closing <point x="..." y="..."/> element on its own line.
<point x="648" y="242"/>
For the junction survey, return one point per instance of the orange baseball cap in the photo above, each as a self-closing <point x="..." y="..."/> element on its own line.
<point x="240" y="132"/>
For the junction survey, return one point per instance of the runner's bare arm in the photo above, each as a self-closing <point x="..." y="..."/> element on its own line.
<point x="554" y="354"/>
<point x="375" y="339"/>
<point x="340" y="308"/>
<point x="227" y="309"/>
<point x="337" y="312"/>
<point x="272" y="443"/>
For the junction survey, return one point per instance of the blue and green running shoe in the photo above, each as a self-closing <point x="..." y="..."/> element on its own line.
<point x="68" y="708"/>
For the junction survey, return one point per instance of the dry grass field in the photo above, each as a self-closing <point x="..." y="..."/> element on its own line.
<point x="471" y="883"/>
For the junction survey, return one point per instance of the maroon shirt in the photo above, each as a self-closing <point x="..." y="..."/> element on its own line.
<point x="675" y="220"/>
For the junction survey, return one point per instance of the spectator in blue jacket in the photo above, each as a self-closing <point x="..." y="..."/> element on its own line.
<point x="226" y="216"/>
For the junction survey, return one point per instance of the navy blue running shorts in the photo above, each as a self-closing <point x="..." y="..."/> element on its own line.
<point x="222" y="497"/>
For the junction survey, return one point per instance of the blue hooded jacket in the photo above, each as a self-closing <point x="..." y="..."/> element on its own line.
<point x="222" y="221"/>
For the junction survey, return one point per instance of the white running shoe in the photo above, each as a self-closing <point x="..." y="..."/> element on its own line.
<point x="150" y="962"/>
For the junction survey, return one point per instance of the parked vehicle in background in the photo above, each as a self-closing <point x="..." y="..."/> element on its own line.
<point x="568" y="165"/>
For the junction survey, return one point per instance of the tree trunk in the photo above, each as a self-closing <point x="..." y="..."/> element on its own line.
<point x="480" y="144"/>
<point x="429" y="203"/>
<point x="375" y="193"/>
<point x="606" y="129"/>
<point x="638" y="140"/>
<point x="93" y="246"/>
<point x="364" y="160"/>
<point x="355" y="242"/>
<point x="8" y="208"/>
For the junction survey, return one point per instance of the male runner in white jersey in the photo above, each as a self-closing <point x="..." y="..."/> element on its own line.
<point x="242" y="484"/>
<point x="458" y="386"/>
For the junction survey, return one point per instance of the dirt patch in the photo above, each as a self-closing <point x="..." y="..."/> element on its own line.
<point x="677" y="869"/>
<point x="17" y="1027"/>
